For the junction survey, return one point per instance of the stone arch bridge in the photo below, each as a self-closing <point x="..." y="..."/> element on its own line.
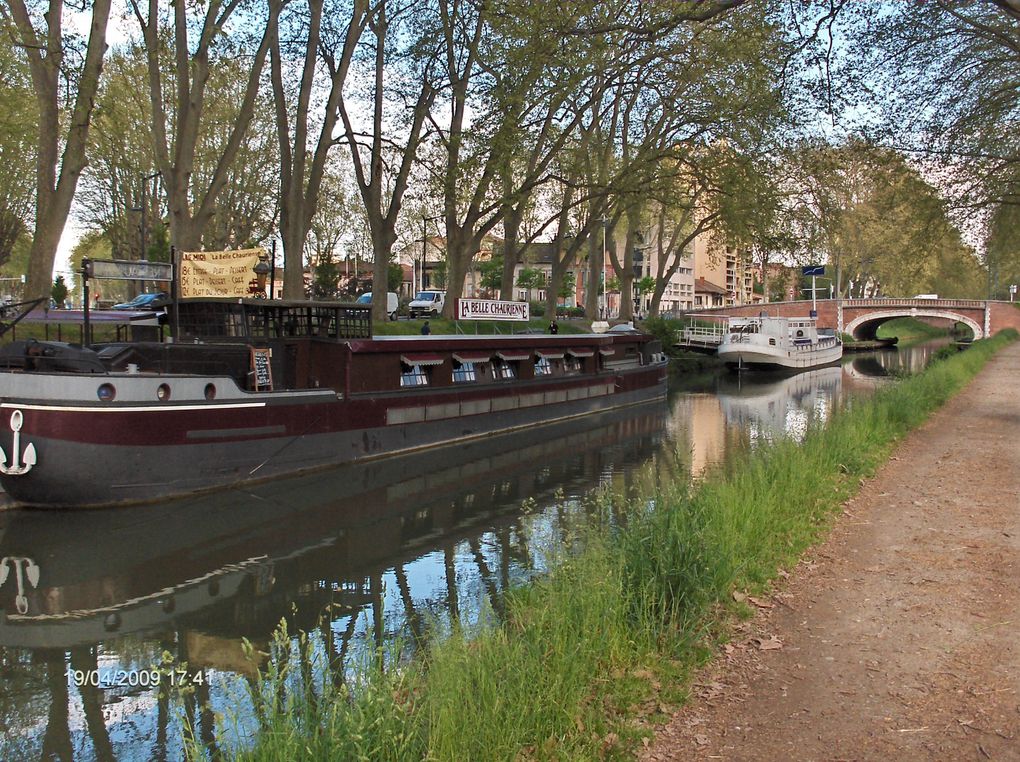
<point x="861" y="317"/>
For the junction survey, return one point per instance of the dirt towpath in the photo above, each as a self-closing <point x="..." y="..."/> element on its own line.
<point x="899" y="637"/>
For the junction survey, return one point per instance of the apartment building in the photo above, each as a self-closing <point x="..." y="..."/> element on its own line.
<point x="678" y="294"/>
<point x="726" y="267"/>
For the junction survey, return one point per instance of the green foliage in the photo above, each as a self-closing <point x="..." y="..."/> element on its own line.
<point x="92" y="245"/>
<point x="1002" y="246"/>
<point x="883" y="227"/>
<point x="394" y="277"/>
<point x="18" y="119"/>
<point x="158" y="247"/>
<point x="491" y="272"/>
<point x="439" y="275"/>
<point x="943" y="77"/>
<point x="530" y="278"/>
<point x="663" y="329"/>
<point x="59" y="290"/>
<point x="325" y="280"/>
<point x="909" y="329"/>
<point x="569" y="285"/>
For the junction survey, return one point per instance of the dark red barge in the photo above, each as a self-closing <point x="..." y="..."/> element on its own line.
<point x="256" y="389"/>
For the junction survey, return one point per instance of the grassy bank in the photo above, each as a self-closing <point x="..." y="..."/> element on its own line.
<point x="586" y="658"/>
<point x="910" y="330"/>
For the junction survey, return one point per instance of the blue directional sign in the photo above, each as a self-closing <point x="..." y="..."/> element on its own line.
<point x="813" y="270"/>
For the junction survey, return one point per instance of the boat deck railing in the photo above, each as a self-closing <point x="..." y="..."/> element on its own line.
<point x="701" y="335"/>
<point x="247" y="319"/>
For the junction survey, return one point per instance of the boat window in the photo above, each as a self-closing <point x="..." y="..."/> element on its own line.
<point x="463" y="372"/>
<point x="543" y="367"/>
<point x="503" y="369"/>
<point x="413" y="375"/>
<point x="572" y="364"/>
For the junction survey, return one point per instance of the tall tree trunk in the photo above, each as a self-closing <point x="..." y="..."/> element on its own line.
<point x="190" y="211"/>
<point x="382" y="221"/>
<point x="55" y="188"/>
<point x="301" y="178"/>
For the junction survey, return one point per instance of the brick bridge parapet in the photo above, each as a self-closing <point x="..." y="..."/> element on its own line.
<point x="861" y="317"/>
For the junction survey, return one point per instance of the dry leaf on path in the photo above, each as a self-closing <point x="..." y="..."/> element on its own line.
<point x="772" y="644"/>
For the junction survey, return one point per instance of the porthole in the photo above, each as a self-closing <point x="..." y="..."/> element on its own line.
<point x="106" y="393"/>
<point x="800" y="334"/>
<point x="210" y="391"/>
<point x="163" y="392"/>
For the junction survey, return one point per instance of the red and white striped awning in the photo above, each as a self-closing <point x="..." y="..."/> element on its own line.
<point x="550" y="354"/>
<point x="472" y="356"/>
<point x="425" y="358"/>
<point x="513" y="354"/>
<point x="585" y="352"/>
<point x="607" y="351"/>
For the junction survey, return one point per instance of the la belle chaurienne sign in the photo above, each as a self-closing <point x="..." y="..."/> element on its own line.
<point x="488" y="309"/>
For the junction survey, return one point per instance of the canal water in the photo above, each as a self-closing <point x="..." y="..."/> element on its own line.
<point x="107" y="615"/>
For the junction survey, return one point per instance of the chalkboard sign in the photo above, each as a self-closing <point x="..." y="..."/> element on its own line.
<point x="260" y="368"/>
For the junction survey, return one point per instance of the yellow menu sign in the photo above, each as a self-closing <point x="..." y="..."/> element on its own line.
<point x="217" y="273"/>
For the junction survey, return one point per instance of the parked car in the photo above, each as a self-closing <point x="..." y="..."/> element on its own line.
<point x="392" y="303"/>
<point x="153" y="301"/>
<point x="427" y="304"/>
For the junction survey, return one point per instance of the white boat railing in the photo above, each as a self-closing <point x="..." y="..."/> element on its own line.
<point x="701" y="335"/>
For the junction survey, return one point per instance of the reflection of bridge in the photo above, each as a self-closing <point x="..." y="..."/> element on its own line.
<point x="861" y="317"/>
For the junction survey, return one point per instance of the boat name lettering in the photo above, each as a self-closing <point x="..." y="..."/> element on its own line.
<point x="489" y="309"/>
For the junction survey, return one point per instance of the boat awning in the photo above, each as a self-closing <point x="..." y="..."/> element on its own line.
<point x="475" y="356"/>
<point x="550" y="354"/>
<point x="513" y="354"/>
<point x="607" y="351"/>
<point x="423" y="358"/>
<point x="581" y="352"/>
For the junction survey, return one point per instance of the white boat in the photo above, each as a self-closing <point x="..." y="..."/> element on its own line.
<point x="778" y="342"/>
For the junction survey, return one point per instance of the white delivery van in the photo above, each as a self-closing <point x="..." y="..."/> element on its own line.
<point x="392" y="303"/>
<point x="427" y="303"/>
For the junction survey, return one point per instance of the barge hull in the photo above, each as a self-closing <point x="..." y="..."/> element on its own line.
<point x="136" y="472"/>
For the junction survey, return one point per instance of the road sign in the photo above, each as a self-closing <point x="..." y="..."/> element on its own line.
<point x="813" y="270"/>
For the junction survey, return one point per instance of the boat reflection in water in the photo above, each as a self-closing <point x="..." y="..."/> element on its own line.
<point x="779" y="404"/>
<point x="365" y="555"/>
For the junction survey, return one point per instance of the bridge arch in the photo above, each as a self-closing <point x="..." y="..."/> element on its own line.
<point x="859" y="326"/>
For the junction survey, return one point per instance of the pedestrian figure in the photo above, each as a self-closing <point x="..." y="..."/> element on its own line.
<point x="425" y="329"/>
<point x="554" y="326"/>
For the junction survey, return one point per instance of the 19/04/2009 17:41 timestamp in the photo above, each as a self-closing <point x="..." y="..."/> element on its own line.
<point x="134" y="678"/>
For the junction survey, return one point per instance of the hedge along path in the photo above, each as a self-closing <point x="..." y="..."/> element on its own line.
<point x="899" y="636"/>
